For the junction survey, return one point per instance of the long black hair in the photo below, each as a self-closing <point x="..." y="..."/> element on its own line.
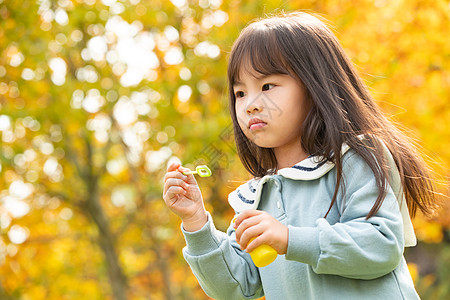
<point x="301" y="45"/>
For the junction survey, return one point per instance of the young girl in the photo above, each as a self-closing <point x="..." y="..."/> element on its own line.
<point x="333" y="178"/>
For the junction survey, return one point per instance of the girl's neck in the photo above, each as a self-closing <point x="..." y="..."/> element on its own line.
<point x="289" y="156"/>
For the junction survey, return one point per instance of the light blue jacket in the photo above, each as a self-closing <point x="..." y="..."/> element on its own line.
<point x="343" y="256"/>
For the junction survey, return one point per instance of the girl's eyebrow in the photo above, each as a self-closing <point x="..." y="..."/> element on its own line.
<point x="236" y="83"/>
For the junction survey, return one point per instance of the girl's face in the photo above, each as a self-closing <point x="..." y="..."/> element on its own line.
<point x="271" y="109"/>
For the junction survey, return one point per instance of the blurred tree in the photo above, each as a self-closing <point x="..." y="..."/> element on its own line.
<point x="97" y="96"/>
<point x="94" y="99"/>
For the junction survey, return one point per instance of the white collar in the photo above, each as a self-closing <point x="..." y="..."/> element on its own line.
<point x="311" y="168"/>
<point x="248" y="195"/>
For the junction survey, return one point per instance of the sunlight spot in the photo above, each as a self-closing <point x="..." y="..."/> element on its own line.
<point x="3" y="88"/>
<point x="131" y="139"/>
<point x="27" y="74"/>
<point x="184" y="93"/>
<point x="109" y="2"/>
<point x="53" y="170"/>
<point x="124" y="196"/>
<point x="117" y="8"/>
<point x="132" y="56"/>
<point x="97" y="48"/>
<point x="15" y="207"/>
<point x="178" y="3"/>
<point x="20" y="190"/>
<point x="207" y="49"/>
<point x="66" y="213"/>
<point x="20" y="161"/>
<point x="93" y="101"/>
<point x="31" y="123"/>
<point x="61" y="38"/>
<point x="100" y="124"/>
<point x="155" y="159"/>
<point x="76" y="35"/>
<point x="162" y="137"/>
<point x="8" y="136"/>
<point x="59" y="70"/>
<point x="87" y="73"/>
<point x="130" y="78"/>
<point x="125" y="112"/>
<point x="174" y="56"/>
<point x="16" y="59"/>
<point x="47" y="148"/>
<point x="219" y="18"/>
<point x="116" y="166"/>
<point x="142" y="129"/>
<point x="171" y="33"/>
<point x="5" y="123"/>
<point x="140" y="99"/>
<point x="215" y="4"/>
<point x="61" y="17"/>
<point x="203" y="4"/>
<point x="50" y="166"/>
<point x="32" y="176"/>
<point x="203" y="87"/>
<point x="77" y="99"/>
<point x="5" y="220"/>
<point x="112" y="57"/>
<point x="18" y="234"/>
<point x="185" y="73"/>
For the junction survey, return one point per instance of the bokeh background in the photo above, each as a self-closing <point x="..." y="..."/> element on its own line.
<point x="97" y="96"/>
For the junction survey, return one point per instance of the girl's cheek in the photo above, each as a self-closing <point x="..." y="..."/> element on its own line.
<point x="240" y="117"/>
<point x="244" y="128"/>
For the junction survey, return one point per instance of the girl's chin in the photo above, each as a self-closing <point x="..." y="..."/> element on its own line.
<point x="260" y="142"/>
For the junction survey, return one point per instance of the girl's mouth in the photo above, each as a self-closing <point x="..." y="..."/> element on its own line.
<point x="255" y="124"/>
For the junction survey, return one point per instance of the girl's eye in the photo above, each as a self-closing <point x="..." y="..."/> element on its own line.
<point x="267" y="86"/>
<point x="239" y="94"/>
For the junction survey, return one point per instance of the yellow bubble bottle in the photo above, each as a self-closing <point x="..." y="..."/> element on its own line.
<point x="263" y="255"/>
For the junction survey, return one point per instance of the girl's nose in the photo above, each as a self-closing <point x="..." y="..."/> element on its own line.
<point x="254" y="105"/>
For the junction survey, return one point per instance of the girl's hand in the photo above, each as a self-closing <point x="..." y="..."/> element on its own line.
<point x="182" y="195"/>
<point x="265" y="228"/>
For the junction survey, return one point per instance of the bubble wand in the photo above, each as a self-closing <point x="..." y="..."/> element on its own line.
<point x="202" y="171"/>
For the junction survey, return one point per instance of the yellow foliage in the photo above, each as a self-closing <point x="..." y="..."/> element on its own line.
<point x="428" y="231"/>
<point x="414" y="271"/>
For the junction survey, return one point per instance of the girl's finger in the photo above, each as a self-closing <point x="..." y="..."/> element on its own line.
<point x="245" y="225"/>
<point x="173" y="166"/>
<point x="172" y="194"/>
<point x="258" y="241"/>
<point x="175" y="174"/>
<point x="175" y="182"/>
<point x="247" y="235"/>
<point x="250" y="228"/>
<point x="245" y="215"/>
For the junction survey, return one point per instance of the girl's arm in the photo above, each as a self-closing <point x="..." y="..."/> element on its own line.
<point x="353" y="247"/>
<point x="223" y="270"/>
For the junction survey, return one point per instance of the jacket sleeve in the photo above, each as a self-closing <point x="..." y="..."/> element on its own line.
<point x="353" y="247"/>
<point x="223" y="270"/>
